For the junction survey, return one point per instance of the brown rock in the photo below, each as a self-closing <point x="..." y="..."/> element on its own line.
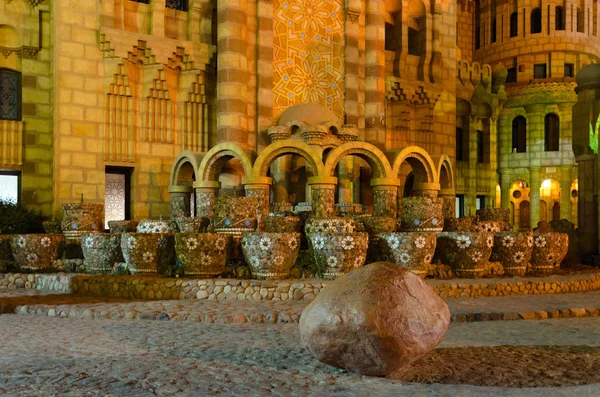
<point x="374" y="320"/>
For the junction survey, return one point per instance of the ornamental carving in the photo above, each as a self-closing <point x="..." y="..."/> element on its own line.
<point x="541" y="87"/>
<point x="25" y="52"/>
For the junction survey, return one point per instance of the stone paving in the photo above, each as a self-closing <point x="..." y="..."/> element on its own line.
<point x="43" y="303"/>
<point x="41" y="356"/>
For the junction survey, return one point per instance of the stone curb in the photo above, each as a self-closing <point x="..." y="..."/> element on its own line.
<point x="467" y="317"/>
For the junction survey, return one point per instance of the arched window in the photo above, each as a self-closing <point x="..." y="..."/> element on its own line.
<point x="514" y="24"/>
<point x="519" y="134"/>
<point x="10" y="94"/>
<point x="536" y="21"/>
<point x="551" y="133"/>
<point x="417" y="19"/>
<point x="559" y="18"/>
<point x="580" y="20"/>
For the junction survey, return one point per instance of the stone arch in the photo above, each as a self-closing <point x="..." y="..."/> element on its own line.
<point x="370" y="153"/>
<point x="445" y="173"/>
<point x="185" y="161"/>
<point x="216" y="158"/>
<point x="281" y="148"/>
<point x="419" y="160"/>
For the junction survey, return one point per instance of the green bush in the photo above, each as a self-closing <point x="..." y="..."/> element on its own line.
<point x="16" y="219"/>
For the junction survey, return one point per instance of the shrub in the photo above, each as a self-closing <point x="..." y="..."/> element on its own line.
<point x="16" y="219"/>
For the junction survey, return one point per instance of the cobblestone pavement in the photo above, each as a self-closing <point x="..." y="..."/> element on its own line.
<point x="41" y="356"/>
<point x="270" y="312"/>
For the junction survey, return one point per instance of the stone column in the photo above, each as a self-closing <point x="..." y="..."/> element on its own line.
<point x="281" y="167"/>
<point x="313" y="135"/>
<point x="587" y="204"/>
<point x="232" y="74"/>
<point x="259" y="187"/>
<point x="345" y="176"/>
<point x="180" y="201"/>
<point x="565" y="192"/>
<point x="534" y="194"/>
<point x="449" y="206"/>
<point x="505" y="184"/>
<point x="206" y="193"/>
<point x="385" y="197"/>
<point x="426" y="189"/>
<point x="375" y="73"/>
<point x="322" y="195"/>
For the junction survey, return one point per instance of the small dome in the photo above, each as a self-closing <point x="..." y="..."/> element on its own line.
<point x="307" y="113"/>
<point x="589" y="75"/>
<point x="499" y="72"/>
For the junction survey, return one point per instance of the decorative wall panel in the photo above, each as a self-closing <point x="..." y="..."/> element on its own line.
<point x="10" y="95"/>
<point x="114" y="198"/>
<point x="308" y="54"/>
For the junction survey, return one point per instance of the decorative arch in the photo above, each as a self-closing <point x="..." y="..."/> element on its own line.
<point x="281" y="148"/>
<point x="445" y="173"/>
<point x="181" y="164"/>
<point x="216" y="158"/>
<point x="368" y="152"/>
<point x="419" y="160"/>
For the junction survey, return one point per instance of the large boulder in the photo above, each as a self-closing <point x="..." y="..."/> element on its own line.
<point x="374" y="320"/>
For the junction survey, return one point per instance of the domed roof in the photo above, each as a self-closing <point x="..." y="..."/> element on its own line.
<point x="499" y="72"/>
<point x="589" y="74"/>
<point x="308" y="113"/>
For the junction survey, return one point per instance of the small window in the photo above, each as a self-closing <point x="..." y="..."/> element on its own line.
<point x="477" y="37"/>
<point x="511" y="76"/>
<point x="10" y="182"/>
<point x="569" y="70"/>
<point x="536" y="21"/>
<point x="580" y="20"/>
<point x="559" y="18"/>
<point x="514" y="24"/>
<point x="460" y="205"/>
<point x="462" y="152"/>
<point x="179" y="5"/>
<point x="480" y="147"/>
<point x="493" y="31"/>
<point x="539" y="71"/>
<point x="519" y="134"/>
<point x="551" y="133"/>
<point x="480" y="202"/>
<point x="10" y="95"/>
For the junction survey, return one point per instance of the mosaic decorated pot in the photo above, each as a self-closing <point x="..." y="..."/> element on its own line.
<point x="122" y="226"/>
<point x="100" y="252"/>
<point x="281" y="208"/>
<point x="36" y="251"/>
<point x="52" y="227"/>
<point x="494" y="214"/>
<point x="463" y="224"/>
<point x="192" y="224"/>
<point x="422" y="214"/>
<point x="488" y="226"/>
<point x="337" y="253"/>
<point x="549" y="249"/>
<point x="466" y="252"/>
<point x="330" y="225"/>
<point x="411" y="250"/>
<point x="202" y="254"/>
<point x="513" y="250"/>
<point x="82" y="217"/>
<point x="344" y="209"/>
<point x="235" y="212"/>
<point x="283" y="224"/>
<point x="151" y="226"/>
<point x="151" y="253"/>
<point x="374" y="225"/>
<point x="270" y="255"/>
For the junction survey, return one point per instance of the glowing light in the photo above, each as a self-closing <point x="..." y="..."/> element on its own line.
<point x="546" y="184"/>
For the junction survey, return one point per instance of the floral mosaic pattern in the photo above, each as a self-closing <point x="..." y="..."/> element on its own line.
<point x="202" y="254"/>
<point x="270" y="255"/>
<point x="148" y="252"/>
<point x="549" y="249"/>
<point x="489" y="226"/>
<point x="513" y="250"/>
<point x="337" y="253"/>
<point x="36" y="252"/>
<point x="181" y="206"/>
<point x="150" y="226"/>
<point x="122" y="226"/>
<point x="411" y="250"/>
<point x="101" y="251"/>
<point x="283" y="224"/>
<point x="192" y="225"/>
<point x="422" y="213"/>
<point x="385" y="203"/>
<point x="330" y="225"/>
<point x="466" y="252"/>
<point x="322" y="202"/>
<point x="308" y="61"/>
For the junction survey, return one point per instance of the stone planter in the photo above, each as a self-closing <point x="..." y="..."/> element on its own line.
<point x="466" y="252"/>
<point x="122" y="226"/>
<point x="202" y="254"/>
<point x="494" y="214"/>
<point x="411" y="250"/>
<point x="513" y="250"/>
<point x="338" y="253"/>
<point x="330" y="225"/>
<point x="161" y="227"/>
<point x="281" y="208"/>
<point x="374" y="225"/>
<point x="283" y="224"/>
<point x="549" y="249"/>
<point x="52" y="227"/>
<point x="151" y="253"/>
<point x="100" y="252"/>
<point x="270" y="255"/>
<point x="422" y="214"/>
<point x="488" y="226"/>
<point x="192" y="224"/>
<point x="82" y="217"/>
<point x="36" y="251"/>
<point x="235" y="212"/>
<point x="344" y="209"/>
<point x="463" y="224"/>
